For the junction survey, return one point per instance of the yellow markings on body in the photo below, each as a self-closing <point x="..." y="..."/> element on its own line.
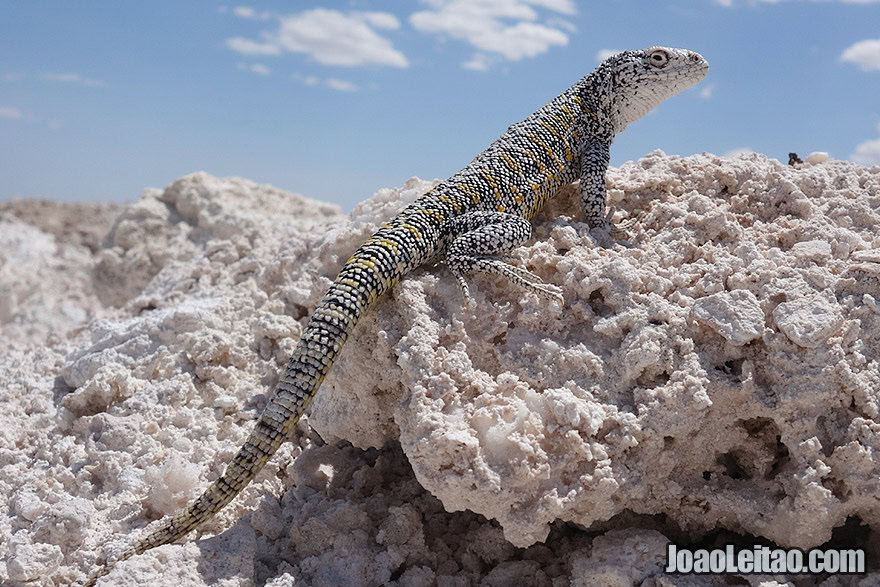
<point x="568" y="154"/>
<point x="535" y="203"/>
<point x="559" y="121"/>
<point x="500" y="208"/>
<point x="388" y="243"/>
<point x="511" y="163"/>
<point x="518" y="199"/>
<point x="371" y="265"/>
<point x="552" y="130"/>
<point x="490" y="179"/>
<point x="540" y="165"/>
<point x="582" y="104"/>
<point x="412" y="229"/>
<point x="568" y="112"/>
<point x="451" y="202"/>
<point x="475" y="198"/>
<point x="547" y="148"/>
<point x="434" y="213"/>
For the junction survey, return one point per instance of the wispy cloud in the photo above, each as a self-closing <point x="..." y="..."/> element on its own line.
<point x="15" y="113"/>
<point x="257" y="68"/>
<point x="707" y="91"/>
<point x="380" y="20"/>
<point x="728" y="3"/>
<point x="332" y="83"/>
<point x="603" y="54"/>
<point x="867" y="153"/>
<point x="507" y="28"/>
<point x="330" y="37"/>
<point x="12" y="113"/>
<point x="307" y="80"/>
<point x="478" y="62"/>
<point x="340" y="85"/>
<point x="250" y="13"/>
<point x="72" y="78"/>
<point x="865" y="54"/>
<point x="249" y="47"/>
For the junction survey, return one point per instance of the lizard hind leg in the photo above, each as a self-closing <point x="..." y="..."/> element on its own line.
<point x="480" y="243"/>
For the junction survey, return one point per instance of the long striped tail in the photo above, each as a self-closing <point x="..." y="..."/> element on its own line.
<point x="328" y="328"/>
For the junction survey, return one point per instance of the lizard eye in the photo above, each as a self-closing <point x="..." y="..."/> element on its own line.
<point x="658" y="58"/>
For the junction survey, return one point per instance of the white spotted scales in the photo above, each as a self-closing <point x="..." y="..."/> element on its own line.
<point x="472" y="220"/>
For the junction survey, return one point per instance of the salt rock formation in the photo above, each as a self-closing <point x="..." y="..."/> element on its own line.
<point x="716" y="373"/>
<point x="46" y="250"/>
<point x="722" y="370"/>
<point x="176" y="223"/>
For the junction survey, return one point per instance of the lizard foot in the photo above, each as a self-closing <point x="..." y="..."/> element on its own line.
<point x="521" y="277"/>
<point x="618" y="231"/>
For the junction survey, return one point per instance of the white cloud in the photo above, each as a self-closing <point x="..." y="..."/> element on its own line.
<point x="728" y="3"/>
<point x="257" y="68"/>
<point x="14" y="113"/>
<point x="380" y="20"/>
<point x="561" y="23"/>
<point x="11" y="113"/>
<point x="865" y="54"/>
<point x="603" y="54"/>
<point x="71" y="78"/>
<point x="307" y="80"/>
<point x="330" y="37"/>
<point x="248" y="47"/>
<point x="504" y="27"/>
<point x="340" y="85"/>
<point x="563" y="6"/>
<point x="250" y="13"/>
<point x="867" y="153"/>
<point x="477" y="62"/>
<point x="707" y="91"/>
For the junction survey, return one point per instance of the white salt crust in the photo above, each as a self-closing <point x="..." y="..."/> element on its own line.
<point x="717" y="373"/>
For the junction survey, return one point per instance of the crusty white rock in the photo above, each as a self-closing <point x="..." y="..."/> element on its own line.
<point x="719" y="374"/>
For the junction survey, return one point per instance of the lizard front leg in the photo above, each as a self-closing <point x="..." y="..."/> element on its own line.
<point x="479" y="242"/>
<point x="595" y="158"/>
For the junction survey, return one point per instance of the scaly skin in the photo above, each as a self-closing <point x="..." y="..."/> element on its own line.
<point x="472" y="218"/>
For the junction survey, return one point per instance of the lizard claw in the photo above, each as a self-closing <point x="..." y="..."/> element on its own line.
<point x="465" y="291"/>
<point x="618" y="232"/>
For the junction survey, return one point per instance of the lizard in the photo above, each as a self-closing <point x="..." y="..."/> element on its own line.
<point x="471" y="220"/>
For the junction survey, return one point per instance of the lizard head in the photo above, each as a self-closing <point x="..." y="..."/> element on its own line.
<point x="639" y="80"/>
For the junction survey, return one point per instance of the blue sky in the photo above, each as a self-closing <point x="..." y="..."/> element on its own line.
<point x="337" y="99"/>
